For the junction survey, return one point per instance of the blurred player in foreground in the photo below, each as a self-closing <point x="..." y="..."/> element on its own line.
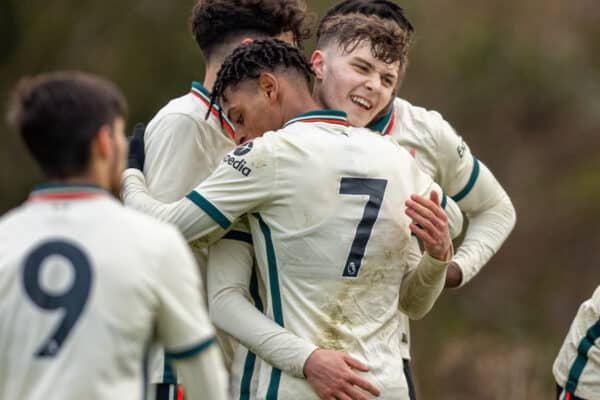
<point x="86" y="284"/>
<point x="182" y="146"/>
<point x="577" y="366"/>
<point x="325" y="241"/>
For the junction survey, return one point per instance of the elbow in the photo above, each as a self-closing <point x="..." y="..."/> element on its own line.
<point x="415" y="310"/>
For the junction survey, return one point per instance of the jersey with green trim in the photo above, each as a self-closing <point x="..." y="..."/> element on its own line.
<point x="85" y="286"/>
<point x="182" y="148"/>
<point x="577" y="366"/>
<point x="327" y="219"/>
<point x="445" y="157"/>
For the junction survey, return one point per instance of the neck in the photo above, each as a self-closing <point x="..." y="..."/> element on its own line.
<point x="210" y="76"/>
<point x="301" y="102"/>
<point x="91" y="178"/>
<point x="317" y="95"/>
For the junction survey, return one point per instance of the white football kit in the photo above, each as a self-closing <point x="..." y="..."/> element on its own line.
<point x="85" y="286"/>
<point x="446" y="158"/>
<point x="577" y="366"/>
<point x="441" y="154"/>
<point x="182" y="148"/>
<point x="327" y="218"/>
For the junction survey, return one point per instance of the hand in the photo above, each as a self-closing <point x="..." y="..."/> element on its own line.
<point x="430" y="224"/>
<point x="137" y="155"/>
<point x="330" y="374"/>
<point x="453" y="275"/>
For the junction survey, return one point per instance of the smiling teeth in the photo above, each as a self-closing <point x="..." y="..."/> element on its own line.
<point x="363" y="102"/>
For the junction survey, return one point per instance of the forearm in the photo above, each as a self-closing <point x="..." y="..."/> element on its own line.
<point x="191" y="221"/>
<point x="485" y="234"/>
<point x="204" y="375"/>
<point x="231" y="285"/>
<point x="422" y="286"/>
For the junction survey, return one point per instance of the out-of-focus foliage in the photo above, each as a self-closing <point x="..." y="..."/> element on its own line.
<point x="518" y="80"/>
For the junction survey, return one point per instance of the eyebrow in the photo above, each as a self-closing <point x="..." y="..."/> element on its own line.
<point x="370" y="65"/>
<point x="362" y="60"/>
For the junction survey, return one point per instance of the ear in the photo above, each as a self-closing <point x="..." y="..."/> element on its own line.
<point x="269" y="85"/>
<point x="317" y="60"/>
<point x="104" y="142"/>
<point x="247" y="40"/>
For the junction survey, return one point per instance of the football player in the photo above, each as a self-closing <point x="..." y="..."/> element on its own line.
<point x="86" y="284"/>
<point x="182" y="146"/>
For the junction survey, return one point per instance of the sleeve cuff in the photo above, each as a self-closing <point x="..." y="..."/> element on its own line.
<point x="191" y="351"/>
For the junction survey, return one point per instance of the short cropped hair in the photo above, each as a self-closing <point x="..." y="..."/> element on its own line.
<point x="58" y="115"/>
<point x="214" y="22"/>
<point x="389" y="42"/>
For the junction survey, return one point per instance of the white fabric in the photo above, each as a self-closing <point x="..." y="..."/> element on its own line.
<point x="144" y="287"/>
<point x="291" y="178"/>
<point x="182" y="148"/>
<point x="445" y="156"/>
<point x="588" y="315"/>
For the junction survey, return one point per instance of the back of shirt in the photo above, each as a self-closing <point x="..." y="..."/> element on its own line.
<point x="85" y="285"/>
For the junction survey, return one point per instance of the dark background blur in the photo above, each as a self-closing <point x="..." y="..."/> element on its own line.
<point x="520" y="81"/>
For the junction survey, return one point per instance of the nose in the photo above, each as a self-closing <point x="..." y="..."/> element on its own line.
<point x="373" y="82"/>
<point x="241" y="135"/>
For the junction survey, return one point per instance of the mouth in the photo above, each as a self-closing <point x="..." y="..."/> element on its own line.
<point x="361" y="102"/>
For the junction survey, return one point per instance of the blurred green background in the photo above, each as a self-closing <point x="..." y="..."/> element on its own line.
<point x="520" y="81"/>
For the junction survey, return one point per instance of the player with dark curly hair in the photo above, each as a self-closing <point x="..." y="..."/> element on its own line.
<point x="181" y="146"/>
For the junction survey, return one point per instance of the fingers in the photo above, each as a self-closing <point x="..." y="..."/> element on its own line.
<point x="357" y="380"/>
<point x="430" y="204"/>
<point x="354" y="363"/>
<point x="363" y="384"/>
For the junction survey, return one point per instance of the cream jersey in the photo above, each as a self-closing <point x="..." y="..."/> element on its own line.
<point x="345" y="209"/>
<point x="182" y="148"/>
<point x="447" y="159"/>
<point x="85" y="286"/>
<point x="577" y="366"/>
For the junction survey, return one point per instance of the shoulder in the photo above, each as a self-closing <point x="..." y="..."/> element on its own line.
<point x="186" y="111"/>
<point x="416" y="116"/>
<point x="133" y="223"/>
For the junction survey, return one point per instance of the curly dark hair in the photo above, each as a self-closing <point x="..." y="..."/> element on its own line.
<point x="214" y="22"/>
<point x="385" y="9"/>
<point x="389" y="42"/>
<point x="248" y="61"/>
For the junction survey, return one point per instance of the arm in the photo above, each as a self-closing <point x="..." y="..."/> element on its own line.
<point x="482" y="198"/>
<point x="201" y="375"/>
<point x="208" y="211"/>
<point x="423" y="284"/>
<point x="182" y="323"/>
<point x="491" y="216"/>
<point x="232" y="290"/>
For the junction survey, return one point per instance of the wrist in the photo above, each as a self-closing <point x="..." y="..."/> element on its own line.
<point x="453" y="275"/>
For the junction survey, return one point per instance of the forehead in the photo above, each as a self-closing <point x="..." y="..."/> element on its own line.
<point x="363" y="52"/>
<point x="238" y="95"/>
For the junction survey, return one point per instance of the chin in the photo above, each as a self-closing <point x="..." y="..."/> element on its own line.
<point x="359" y="122"/>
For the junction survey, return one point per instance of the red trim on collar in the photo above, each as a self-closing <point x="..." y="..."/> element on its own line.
<point x="214" y="112"/>
<point x="64" y="196"/>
